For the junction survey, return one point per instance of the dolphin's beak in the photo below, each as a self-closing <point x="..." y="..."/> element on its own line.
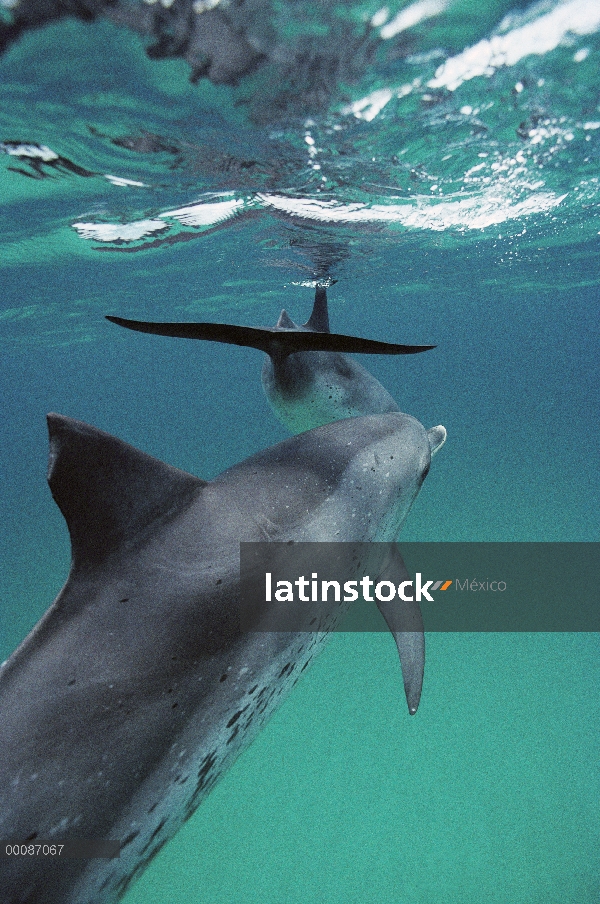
<point x="437" y="438"/>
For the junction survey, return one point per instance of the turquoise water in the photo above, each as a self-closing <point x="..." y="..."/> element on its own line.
<point x="454" y="194"/>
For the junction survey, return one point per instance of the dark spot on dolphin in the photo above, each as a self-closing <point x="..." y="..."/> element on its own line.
<point x="305" y="665"/>
<point x="207" y="764"/>
<point x="175" y="705"/>
<point x="123" y="884"/>
<point x="252" y="689"/>
<point x="129" y="839"/>
<point x="157" y="829"/>
<point x="126" y="881"/>
<point x="107" y="881"/>
<point x="157" y="849"/>
<point x="153" y="807"/>
<point x="32" y="836"/>
<point x="151" y="839"/>
<point x="124" y="600"/>
<point x="219" y="581"/>
<point x="286" y="668"/>
<point x="223" y="678"/>
<point x="71" y="682"/>
<point x="265" y="702"/>
<point x="233" y="734"/>
<point x="234" y="718"/>
<point x="202" y="788"/>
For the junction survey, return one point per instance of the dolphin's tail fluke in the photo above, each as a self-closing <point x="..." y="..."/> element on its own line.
<point x="274" y="341"/>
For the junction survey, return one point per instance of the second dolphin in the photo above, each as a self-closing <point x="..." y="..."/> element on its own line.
<point x="308" y="377"/>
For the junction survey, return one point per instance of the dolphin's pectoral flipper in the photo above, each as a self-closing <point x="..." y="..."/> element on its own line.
<point x="275" y="341"/>
<point x="108" y="491"/>
<point x="405" y="621"/>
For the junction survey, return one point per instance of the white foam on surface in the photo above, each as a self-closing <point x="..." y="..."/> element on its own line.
<point x="206" y="214"/>
<point x="411" y="16"/>
<point x="114" y="232"/>
<point x="537" y="37"/>
<point x="489" y="208"/>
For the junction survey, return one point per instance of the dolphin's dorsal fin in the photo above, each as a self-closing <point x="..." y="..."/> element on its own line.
<point x="285" y="322"/>
<point x="319" y="319"/>
<point x="108" y="491"/>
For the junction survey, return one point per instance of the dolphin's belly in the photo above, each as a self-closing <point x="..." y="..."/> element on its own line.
<point x="199" y="756"/>
<point x="225" y="700"/>
<point x="311" y="389"/>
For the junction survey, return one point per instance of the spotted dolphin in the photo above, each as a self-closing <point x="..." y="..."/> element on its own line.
<point x="137" y="689"/>
<point x="310" y="380"/>
<point x="308" y="376"/>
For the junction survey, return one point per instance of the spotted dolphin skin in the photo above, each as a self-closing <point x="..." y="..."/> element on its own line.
<point x="308" y="377"/>
<point x="137" y="690"/>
